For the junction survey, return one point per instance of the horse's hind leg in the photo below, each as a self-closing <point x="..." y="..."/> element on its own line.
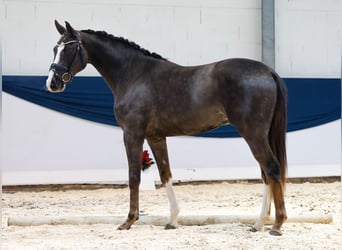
<point x="159" y="150"/>
<point x="265" y="210"/>
<point x="271" y="174"/>
<point x="278" y="195"/>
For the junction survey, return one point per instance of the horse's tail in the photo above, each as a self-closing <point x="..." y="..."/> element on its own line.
<point x="277" y="133"/>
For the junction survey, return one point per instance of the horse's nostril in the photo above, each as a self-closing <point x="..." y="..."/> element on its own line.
<point x="53" y="86"/>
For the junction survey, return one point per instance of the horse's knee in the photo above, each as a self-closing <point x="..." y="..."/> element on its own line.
<point x="134" y="181"/>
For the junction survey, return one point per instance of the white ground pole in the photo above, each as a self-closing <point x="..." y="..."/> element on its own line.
<point x="188" y="220"/>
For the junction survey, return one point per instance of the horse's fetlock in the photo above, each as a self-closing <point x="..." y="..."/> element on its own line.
<point x="282" y="217"/>
<point x="258" y="226"/>
<point x="133" y="216"/>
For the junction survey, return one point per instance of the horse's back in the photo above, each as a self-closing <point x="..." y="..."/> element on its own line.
<point x="196" y="99"/>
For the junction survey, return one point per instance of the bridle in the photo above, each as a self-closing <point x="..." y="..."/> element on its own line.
<point x="67" y="76"/>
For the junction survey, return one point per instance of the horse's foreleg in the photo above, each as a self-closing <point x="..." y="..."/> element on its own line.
<point x="133" y="146"/>
<point x="265" y="209"/>
<point x="159" y="150"/>
<point x="133" y="214"/>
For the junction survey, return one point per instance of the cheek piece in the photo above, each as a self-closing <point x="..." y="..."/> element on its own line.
<point x="67" y="76"/>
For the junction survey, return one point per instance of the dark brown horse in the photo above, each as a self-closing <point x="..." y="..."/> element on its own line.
<point x="155" y="98"/>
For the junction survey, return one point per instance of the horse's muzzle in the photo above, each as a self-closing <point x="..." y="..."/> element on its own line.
<point x="54" y="85"/>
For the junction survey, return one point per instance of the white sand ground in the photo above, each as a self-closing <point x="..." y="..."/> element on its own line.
<point x="210" y="199"/>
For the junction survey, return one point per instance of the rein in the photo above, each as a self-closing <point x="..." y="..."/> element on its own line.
<point x="67" y="75"/>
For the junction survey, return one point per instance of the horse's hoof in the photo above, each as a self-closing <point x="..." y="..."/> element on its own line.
<point x="276" y="232"/>
<point x="169" y="226"/>
<point x="257" y="227"/>
<point x="124" y="227"/>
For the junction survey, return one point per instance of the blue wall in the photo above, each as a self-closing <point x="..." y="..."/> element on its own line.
<point x="311" y="101"/>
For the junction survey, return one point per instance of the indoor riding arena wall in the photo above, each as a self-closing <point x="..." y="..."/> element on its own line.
<point x="42" y="146"/>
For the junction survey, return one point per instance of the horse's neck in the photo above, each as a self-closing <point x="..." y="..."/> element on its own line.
<point x="113" y="64"/>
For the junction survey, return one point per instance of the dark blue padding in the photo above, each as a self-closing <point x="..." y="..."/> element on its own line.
<point x="311" y="101"/>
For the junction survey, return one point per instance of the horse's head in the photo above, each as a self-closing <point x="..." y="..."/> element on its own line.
<point x="69" y="58"/>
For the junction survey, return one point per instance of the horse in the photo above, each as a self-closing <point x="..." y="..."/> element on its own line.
<point x="156" y="98"/>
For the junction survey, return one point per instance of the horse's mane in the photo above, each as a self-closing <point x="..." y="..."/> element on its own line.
<point x="105" y="35"/>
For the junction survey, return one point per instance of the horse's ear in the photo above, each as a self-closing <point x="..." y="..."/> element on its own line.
<point x="60" y="28"/>
<point x="71" y="30"/>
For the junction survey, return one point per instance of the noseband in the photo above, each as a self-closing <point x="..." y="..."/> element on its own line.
<point x="57" y="67"/>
